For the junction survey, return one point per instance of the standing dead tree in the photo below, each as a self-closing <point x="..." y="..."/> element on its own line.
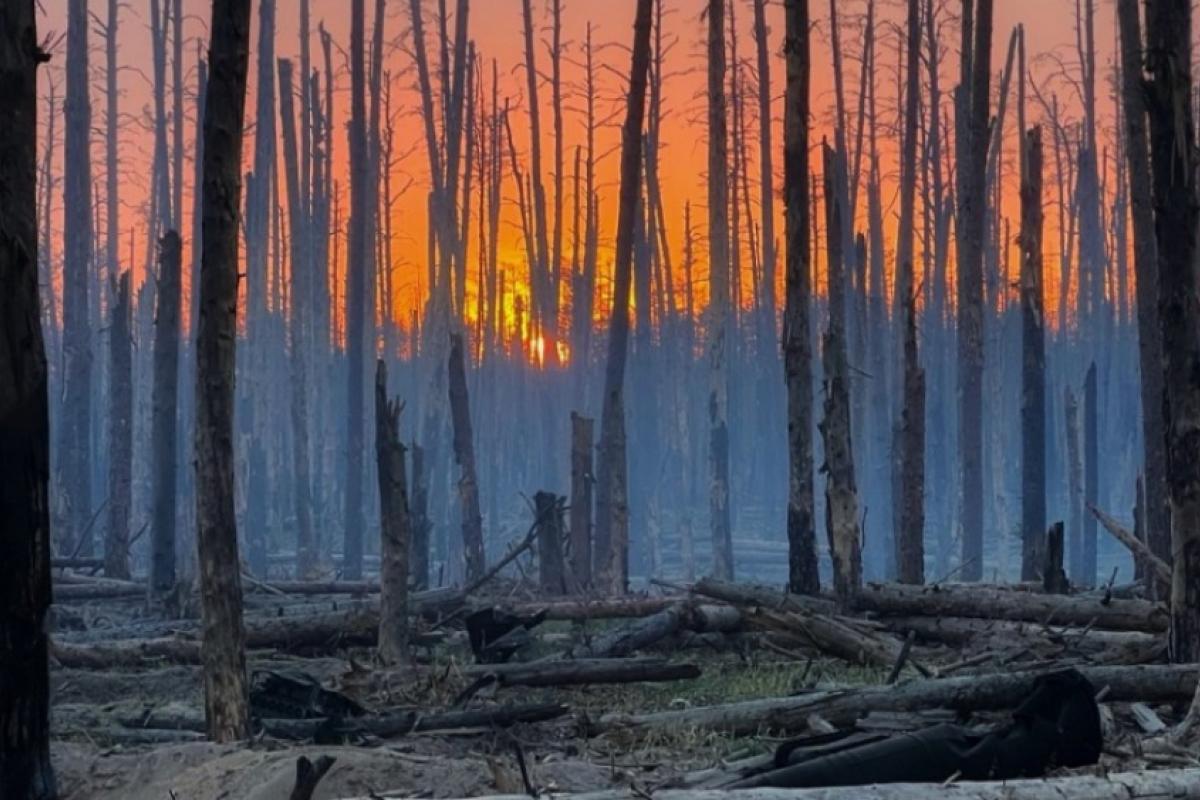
<point x="797" y="344"/>
<point x="1033" y="360"/>
<point x="972" y="102"/>
<point x="120" y="434"/>
<point x="464" y="455"/>
<point x="581" y="499"/>
<point x="164" y="433"/>
<point x="225" y="688"/>
<point x="1145" y="265"/>
<point x="25" y="769"/>
<point x="612" y="511"/>
<point x="395" y="523"/>
<point x="718" y="304"/>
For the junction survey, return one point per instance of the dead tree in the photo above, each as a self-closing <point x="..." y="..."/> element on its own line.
<point x="112" y="211"/>
<point x="25" y="769"/>
<point x="1033" y="360"/>
<point x="612" y="510"/>
<point x="164" y="434"/>
<point x="581" y="498"/>
<point x="464" y="455"/>
<point x="841" y="493"/>
<point x="1091" y="473"/>
<point x="419" y="547"/>
<point x="298" y="330"/>
<point x="225" y="688"/>
<point x="545" y="302"/>
<point x="120" y="434"/>
<point x="74" y="437"/>
<point x="718" y="306"/>
<point x="1074" y="485"/>
<point x="910" y="427"/>
<point x="395" y="523"/>
<point x="766" y="168"/>
<point x="551" y="567"/>
<point x="797" y="345"/>
<point x="972" y="102"/>
<point x="356" y="294"/>
<point x="1145" y="264"/>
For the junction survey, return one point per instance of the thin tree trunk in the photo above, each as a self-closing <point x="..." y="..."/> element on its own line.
<point x="1074" y="485"/>
<point x="797" y="344"/>
<point x="166" y="400"/>
<point x="1091" y="460"/>
<point x="112" y="211"/>
<point x="612" y="513"/>
<point x="766" y="168"/>
<point x="120" y="435"/>
<point x="395" y="523"/>
<point x="581" y="498"/>
<point x="718" y="314"/>
<point x="25" y="769"/>
<point x="464" y="454"/>
<point x="1033" y="361"/>
<point x="1145" y="260"/>
<point x="225" y="686"/>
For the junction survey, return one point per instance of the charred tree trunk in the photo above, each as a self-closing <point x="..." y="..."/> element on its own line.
<point x="1074" y="485"/>
<point x="910" y="427"/>
<point x="718" y="308"/>
<point x="1033" y="362"/>
<point x="25" y="770"/>
<point x="612" y="512"/>
<point x="797" y="345"/>
<point x="581" y="499"/>
<point x="164" y="432"/>
<point x="1091" y="460"/>
<point x="464" y="455"/>
<point x="551" y="568"/>
<point x="1054" y="577"/>
<point x="225" y="688"/>
<point x="395" y="523"/>
<point x="1145" y="264"/>
<point x="419" y="548"/>
<point x="75" y="429"/>
<point x="120" y="435"/>
<point x="973" y="103"/>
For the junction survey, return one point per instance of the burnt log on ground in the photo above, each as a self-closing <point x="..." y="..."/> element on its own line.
<point x="582" y="672"/>
<point x="650" y="630"/>
<point x="948" y="600"/>
<point x="843" y="707"/>
<point x="402" y="723"/>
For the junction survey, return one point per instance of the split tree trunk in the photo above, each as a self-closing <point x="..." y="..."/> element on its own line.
<point x="718" y="307"/>
<point x="797" y="344"/>
<point x="612" y="510"/>
<point x="225" y="686"/>
<point x="464" y="454"/>
<point x="1033" y="361"/>
<point x="395" y="524"/>
<point x="25" y="770"/>
<point x="120" y="435"/>
<point x="166" y="396"/>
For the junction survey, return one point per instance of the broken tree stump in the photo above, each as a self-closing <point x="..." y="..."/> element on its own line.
<point x="1054" y="577"/>
<point x="551" y="568"/>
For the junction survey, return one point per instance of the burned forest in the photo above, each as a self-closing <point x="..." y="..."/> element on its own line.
<point x="773" y="399"/>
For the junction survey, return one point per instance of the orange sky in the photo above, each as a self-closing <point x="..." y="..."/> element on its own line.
<point x="495" y="26"/>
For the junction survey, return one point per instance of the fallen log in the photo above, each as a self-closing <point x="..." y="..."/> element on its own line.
<point x="796" y="616"/>
<point x="585" y="671"/>
<point x="650" y="630"/>
<point x="606" y="608"/>
<point x="402" y="723"/>
<point x="1115" y="647"/>
<point x="1178" y="784"/>
<point x="842" y="707"/>
<point x="107" y="590"/>
<point x="963" y="600"/>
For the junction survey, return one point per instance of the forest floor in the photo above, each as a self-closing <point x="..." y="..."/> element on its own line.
<point x="131" y="730"/>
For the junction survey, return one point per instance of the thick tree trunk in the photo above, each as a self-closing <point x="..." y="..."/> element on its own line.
<point x="581" y="498"/>
<point x="395" y="524"/>
<point x="166" y="395"/>
<point x="611" y="559"/>
<point x="225" y="687"/>
<point x="1033" y="361"/>
<point x="718" y="304"/>
<point x="1145" y="265"/>
<point x="1054" y="577"/>
<point x="797" y="344"/>
<point x="551" y="568"/>
<point x="75" y="437"/>
<point x="120" y="434"/>
<point x="464" y="455"/>
<point x="25" y="770"/>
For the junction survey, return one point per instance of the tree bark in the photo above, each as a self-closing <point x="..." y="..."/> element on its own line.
<point x="1054" y="577"/>
<point x="797" y="344"/>
<point x="166" y="395"/>
<point x="611" y="559"/>
<point x="25" y="769"/>
<point x="464" y="454"/>
<point x="1074" y="484"/>
<point x="1091" y="459"/>
<point x="225" y="688"/>
<point x="581" y="498"/>
<point x="1145" y="264"/>
<point x="718" y="305"/>
<point x="1033" y="360"/>
<point x="120" y="435"/>
<point x="551" y="569"/>
<point x="395" y="523"/>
